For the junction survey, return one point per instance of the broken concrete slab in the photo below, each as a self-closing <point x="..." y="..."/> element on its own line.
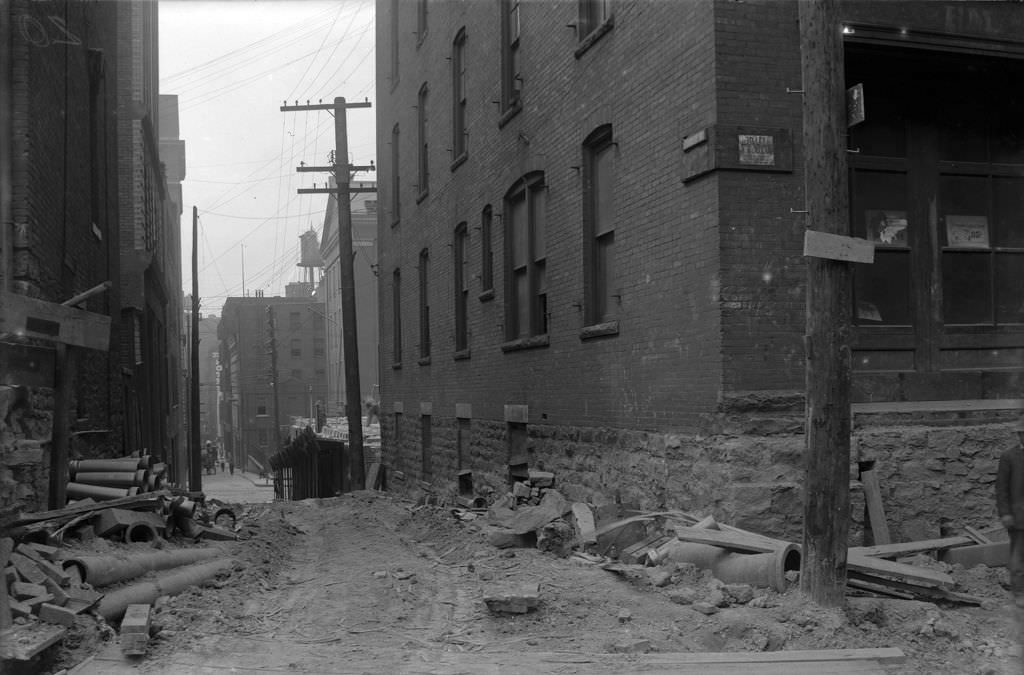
<point x="135" y="629"/>
<point x="22" y="590"/>
<point x="519" y="600"/>
<point x="584" y="519"/>
<point x="27" y="569"/>
<point x="52" y="613"/>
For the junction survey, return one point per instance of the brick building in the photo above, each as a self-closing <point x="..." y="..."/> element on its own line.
<point x="363" y="207"/>
<point x="591" y="249"/>
<point x="77" y="174"/>
<point x="246" y="383"/>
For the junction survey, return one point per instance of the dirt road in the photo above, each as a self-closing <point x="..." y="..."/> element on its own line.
<point x="369" y="583"/>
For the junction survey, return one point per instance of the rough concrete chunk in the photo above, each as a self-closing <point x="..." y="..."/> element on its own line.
<point x="21" y="590"/>
<point x="513" y="601"/>
<point x="51" y="613"/>
<point x="27" y="569"/>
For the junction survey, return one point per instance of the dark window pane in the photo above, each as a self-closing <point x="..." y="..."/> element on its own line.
<point x="882" y="289"/>
<point x="880" y="207"/>
<point x="964" y="210"/>
<point x="1010" y="287"/>
<point x="966" y="287"/>
<point x="962" y="134"/>
<point x="1008" y="212"/>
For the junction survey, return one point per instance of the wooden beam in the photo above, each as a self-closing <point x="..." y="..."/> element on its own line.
<point x="60" y="434"/>
<point x="881" y="568"/>
<point x="6" y="546"/>
<point x="996" y="554"/>
<point x="873" y="502"/>
<point x="905" y="548"/>
<point x="31" y="317"/>
<point x="728" y="540"/>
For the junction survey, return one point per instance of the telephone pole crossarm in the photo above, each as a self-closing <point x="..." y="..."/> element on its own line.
<point x="332" y="191"/>
<point x="333" y="168"/>
<point x="321" y="106"/>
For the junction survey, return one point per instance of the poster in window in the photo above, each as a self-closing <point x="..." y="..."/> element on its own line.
<point x="967" y="231"/>
<point x="887" y="227"/>
<point x="868" y="311"/>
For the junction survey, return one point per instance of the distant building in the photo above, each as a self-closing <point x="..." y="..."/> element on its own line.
<point x="590" y="233"/>
<point x="247" y="379"/>
<point x="363" y="206"/>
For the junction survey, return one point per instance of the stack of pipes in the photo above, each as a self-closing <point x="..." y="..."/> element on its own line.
<point x="101" y="479"/>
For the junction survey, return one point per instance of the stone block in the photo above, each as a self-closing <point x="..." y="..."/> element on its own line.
<point x="54" y="572"/>
<point x="55" y="614"/>
<point x="513" y="601"/>
<point x="21" y="590"/>
<point x="135" y="630"/>
<point x="60" y="597"/>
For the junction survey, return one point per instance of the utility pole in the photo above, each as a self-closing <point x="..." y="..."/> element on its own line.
<point x="272" y="345"/>
<point x="827" y="457"/>
<point x="350" y="345"/>
<point x="195" y="474"/>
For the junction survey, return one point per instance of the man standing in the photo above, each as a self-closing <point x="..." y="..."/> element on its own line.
<point x="1010" y="504"/>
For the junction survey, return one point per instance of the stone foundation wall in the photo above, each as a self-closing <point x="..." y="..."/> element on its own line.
<point x="25" y="423"/>
<point x="747" y="472"/>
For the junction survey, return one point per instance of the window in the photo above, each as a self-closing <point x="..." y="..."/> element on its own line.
<point x="396" y="202"/>
<point x="296" y="348"/>
<point x="318" y="320"/>
<point x="423" y="145"/>
<point x="295" y="320"/>
<point x="599" y="227"/>
<point x="592" y="15"/>
<point x="425" y="445"/>
<point x="461" y="288"/>
<point x="459" y="135"/>
<point x="486" y="251"/>
<point x="526" y="310"/>
<point x="421" y="21"/>
<point x="424" y="304"/>
<point x="297" y="373"/>
<point x="261" y="406"/>
<point x="261" y="437"/>
<point x="882" y="290"/>
<point x="396" y="316"/>
<point x="511" y="77"/>
<point x="321" y="373"/>
<point x="395" y="36"/>
<point x="318" y="346"/>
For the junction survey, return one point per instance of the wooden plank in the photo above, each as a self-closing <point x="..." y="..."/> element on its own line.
<point x="977" y="536"/>
<point x="732" y="541"/>
<point x="996" y="554"/>
<point x="878" y="655"/>
<point x="148" y="500"/>
<point x="24" y="642"/>
<point x="838" y="247"/>
<point x="31" y="317"/>
<point x="371" y="475"/>
<point x="906" y="548"/>
<point x="886" y="569"/>
<point x="911" y="591"/>
<point x="873" y="502"/>
<point x="584" y="523"/>
<point x="6" y="546"/>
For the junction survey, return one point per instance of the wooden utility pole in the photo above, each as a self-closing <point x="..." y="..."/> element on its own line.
<point x="350" y="345"/>
<point x="195" y="464"/>
<point x="272" y="347"/>
<point x="827" y="458"/>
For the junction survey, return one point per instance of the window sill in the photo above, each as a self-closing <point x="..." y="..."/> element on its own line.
<point x="422" y="196"/>
<point x="532" y="342"/>
<point x="594" y="36"/>
<point x="461" y="355"/>
<point x="459" y="161"/>
<point x="599" y="330"/>
<point x="396" y="366"/>
<point x="486" y="295"/>
<point x="511" y="112"/>
<point x="424" y="361"/>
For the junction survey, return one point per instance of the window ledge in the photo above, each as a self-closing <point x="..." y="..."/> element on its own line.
<point x="422" y="196"/>
<point x="512" y="111"/>
<point x="599" y="330"/>
<point x="486" y="295"/>
<point x="424" y="361"/>
<point x="461" y="355"/>
<point x="459" y="161"/>
<point x="531" y="342"/>
<point x="396" y="366"/>
<point x="594" y="36"/>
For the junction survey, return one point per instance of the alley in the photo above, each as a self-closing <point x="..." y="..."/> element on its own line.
<point x="371" y="583"/>
<point x="238" y="487"/>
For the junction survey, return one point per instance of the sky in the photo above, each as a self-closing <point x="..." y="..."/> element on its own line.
<point x="232" y="64"/>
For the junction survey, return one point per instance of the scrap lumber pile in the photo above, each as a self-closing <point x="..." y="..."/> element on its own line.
<point x="533" y="513"/>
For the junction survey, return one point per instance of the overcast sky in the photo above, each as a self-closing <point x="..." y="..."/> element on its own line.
<point x="232" y="63"/>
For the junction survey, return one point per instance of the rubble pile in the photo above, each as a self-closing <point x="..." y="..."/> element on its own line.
<point x="103" y="557"/>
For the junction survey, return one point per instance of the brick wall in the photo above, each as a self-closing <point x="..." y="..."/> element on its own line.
<point x="662" y="369"/>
